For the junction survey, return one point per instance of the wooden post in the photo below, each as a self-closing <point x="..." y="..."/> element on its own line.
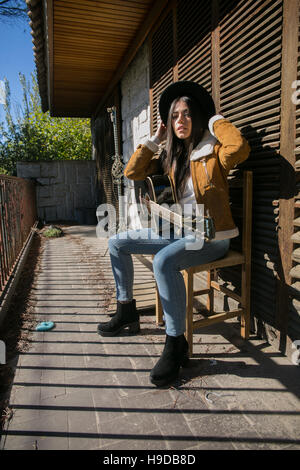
<point x="175" y="48"/>
<point x="158" y="309"/>
<point x="150" y="82"/>
<point x="287" y="175"/>
<point x="246" y="266"/>
<point x="215" y="58"/>
<point x="188" y="279"/>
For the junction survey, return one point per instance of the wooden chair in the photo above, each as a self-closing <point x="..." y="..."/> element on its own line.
<point x="233" y="258"/>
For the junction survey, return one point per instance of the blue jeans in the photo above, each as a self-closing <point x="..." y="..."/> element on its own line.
<point x="171" y="256"/>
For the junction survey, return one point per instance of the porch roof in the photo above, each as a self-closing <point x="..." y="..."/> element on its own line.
<point x="82" y="48"/>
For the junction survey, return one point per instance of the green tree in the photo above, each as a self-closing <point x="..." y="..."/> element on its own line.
<point x="13" y="10"/>
<point x="34" y="135"/>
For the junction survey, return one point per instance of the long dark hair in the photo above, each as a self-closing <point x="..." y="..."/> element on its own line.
<point x="176" y="155"/>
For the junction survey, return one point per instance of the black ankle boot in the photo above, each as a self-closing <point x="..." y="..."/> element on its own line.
<point x="175" y="355"/>
<point x="125" y="317"/>
<point x="112" y="314"/>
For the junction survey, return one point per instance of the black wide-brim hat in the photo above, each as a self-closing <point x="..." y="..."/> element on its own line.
<point x="186" y="88"/>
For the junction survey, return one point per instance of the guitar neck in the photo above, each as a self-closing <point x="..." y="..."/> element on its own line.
<point x="160" y="188"/>
<point x="165" y="213"/>
<point x="170" y="216"/>
<point x="116" y="140"/>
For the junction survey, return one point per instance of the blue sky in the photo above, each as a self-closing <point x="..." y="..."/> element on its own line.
<point x="16" y="55"/>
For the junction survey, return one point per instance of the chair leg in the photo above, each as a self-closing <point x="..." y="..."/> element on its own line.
<point x="210" y="297"/>
<point x="189" y="287"/>
<point x="158" y="309"/>
<point x="245" y="318"/>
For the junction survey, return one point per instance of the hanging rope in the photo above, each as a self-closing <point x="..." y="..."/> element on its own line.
<point x="117" y="169"/>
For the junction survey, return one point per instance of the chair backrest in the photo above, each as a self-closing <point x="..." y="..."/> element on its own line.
<point x="247" y="213"/>
<point x="244" y="212"/>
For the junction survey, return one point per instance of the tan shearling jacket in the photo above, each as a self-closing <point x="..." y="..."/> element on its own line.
<point x="220" y="150"/>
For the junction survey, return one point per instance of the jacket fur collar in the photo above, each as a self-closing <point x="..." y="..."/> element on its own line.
<point x="205" y="147"/>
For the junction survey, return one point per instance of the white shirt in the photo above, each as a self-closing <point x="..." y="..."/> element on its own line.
<point x="188" y="199"/>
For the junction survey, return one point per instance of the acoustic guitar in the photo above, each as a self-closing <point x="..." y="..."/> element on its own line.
<point x="160" y="193"/>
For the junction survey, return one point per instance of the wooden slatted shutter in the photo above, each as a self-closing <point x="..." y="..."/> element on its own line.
<point x="250" y="74"/>
<point x="180" y="50"/>
<point x="194" y="42"/>
<point x="162" y="60"/>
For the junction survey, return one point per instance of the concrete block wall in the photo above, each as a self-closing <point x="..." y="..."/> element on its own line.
<point x="135" y="108"/>
<point x="64" y="188"/>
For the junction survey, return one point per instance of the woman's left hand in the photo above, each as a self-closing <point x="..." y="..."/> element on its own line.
<point x="161" y="132"/>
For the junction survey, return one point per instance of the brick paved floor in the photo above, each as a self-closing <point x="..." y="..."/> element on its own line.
<point x="76" y="390"/>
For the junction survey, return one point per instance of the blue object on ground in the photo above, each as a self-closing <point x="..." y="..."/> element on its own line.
<point x="45" y="326"/>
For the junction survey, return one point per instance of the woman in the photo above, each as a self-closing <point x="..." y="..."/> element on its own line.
<point x="200" y="150"/>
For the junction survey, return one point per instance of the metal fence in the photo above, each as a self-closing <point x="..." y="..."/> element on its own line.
<point x="18" y="214"/>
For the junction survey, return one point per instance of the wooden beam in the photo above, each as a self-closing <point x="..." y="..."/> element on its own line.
<point x="48" y="22"/>
<point x="201" y="292"/>
<point x="218" y="317"/>
<point x="150" y="20"/>
<point x="226" y="291"/>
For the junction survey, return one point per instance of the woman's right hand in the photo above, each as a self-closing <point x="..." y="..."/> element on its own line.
<point x="161" y="132"/>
